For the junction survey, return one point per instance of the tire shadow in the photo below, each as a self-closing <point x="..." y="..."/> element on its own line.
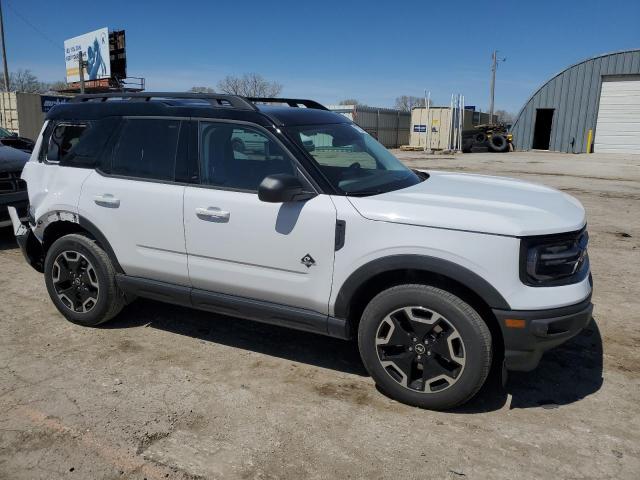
<point x="566" y="374"/>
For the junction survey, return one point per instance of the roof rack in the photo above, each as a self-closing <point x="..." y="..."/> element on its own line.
<point x="215" y="100"/>
<point x="292" y="102"/>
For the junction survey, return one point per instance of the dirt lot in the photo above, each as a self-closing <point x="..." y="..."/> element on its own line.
<point x="166" y="392"/>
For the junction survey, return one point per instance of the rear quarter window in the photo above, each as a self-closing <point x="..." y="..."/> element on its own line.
<point x="76" y="144"/>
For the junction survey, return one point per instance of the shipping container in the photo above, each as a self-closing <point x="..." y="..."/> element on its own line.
<point x="390" y="127"/>
<point x="439" y="122"/>
<point x="23" y="113"/>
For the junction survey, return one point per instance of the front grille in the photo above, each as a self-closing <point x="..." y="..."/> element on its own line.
<point x="552" y="260"/>
<point x="10" y="182"/>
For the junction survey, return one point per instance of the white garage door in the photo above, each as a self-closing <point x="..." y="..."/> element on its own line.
<point x="618" y="126"/>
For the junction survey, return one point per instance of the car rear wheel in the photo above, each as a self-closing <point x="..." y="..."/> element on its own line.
<point x="80" y="279"/>
<point x="425" y="346"/>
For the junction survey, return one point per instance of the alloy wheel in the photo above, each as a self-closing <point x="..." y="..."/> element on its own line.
<point x="75" y="281"/>
<point x="420" y="349"/>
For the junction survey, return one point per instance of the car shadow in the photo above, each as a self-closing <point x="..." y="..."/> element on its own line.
<point x="7" y="239"/>
<point x="565" y="375"/>
<point x="294" y="345"/>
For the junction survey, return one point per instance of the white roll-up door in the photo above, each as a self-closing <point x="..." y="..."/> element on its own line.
<point x="618" y="125"/>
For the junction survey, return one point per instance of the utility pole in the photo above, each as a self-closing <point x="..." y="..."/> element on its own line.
<point x="81" y="65"/>
<point x="4" y="53"/>
<point x="494" y="67"/>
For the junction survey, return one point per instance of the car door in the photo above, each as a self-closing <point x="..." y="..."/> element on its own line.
<point x="134" y="201"/>
<point x="238" y="245"/>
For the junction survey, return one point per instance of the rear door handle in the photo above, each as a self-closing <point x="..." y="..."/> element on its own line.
<point x="212" y="214"/>
<point x="107" y="200"/>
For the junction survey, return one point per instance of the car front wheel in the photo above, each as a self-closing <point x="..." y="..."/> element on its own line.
<point x="424" y="346"/>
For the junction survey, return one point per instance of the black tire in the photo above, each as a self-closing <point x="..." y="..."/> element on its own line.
<point x="498" y="143"/>
<point x="81" y="281"/>
<point x="455" y="318"/>
<point x="480" y="138"/>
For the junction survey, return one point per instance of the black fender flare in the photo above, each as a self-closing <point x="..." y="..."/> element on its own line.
<point x="102" y="240"/>
<point x="424" y="263"/>
<point x="51" y="218"/>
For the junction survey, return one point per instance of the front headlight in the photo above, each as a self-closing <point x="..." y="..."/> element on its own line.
<point x="551" y="260"/>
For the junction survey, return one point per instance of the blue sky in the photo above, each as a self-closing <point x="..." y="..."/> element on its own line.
<point x="330" y="50"/>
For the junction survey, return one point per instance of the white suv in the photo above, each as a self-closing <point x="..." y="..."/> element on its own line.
<point x="320" y="229"/>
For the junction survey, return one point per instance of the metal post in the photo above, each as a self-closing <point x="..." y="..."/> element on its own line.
<point x="4" y="53"/>
<point x="429" y="124"/>
<point x="81" y="71"/>
<point x="494" y="66"/>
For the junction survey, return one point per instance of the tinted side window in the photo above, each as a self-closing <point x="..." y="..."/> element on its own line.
<point x="89" y="146"/>
<point x="64" y="138"/>
<point x="240" y="157"/>
<point x="147" y="148"/>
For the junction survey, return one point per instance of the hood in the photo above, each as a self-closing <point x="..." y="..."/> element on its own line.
<point x="478" y="203"/>
<point x="12" y="159"/>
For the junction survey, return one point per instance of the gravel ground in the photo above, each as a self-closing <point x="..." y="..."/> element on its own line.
<point x="167" y="392"/>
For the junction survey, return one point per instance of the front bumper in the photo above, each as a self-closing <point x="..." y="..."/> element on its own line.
<point x="19" y="200"/>
<point x="528" y="334"/>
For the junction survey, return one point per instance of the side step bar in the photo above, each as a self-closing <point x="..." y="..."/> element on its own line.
<point x="224" y="304"/>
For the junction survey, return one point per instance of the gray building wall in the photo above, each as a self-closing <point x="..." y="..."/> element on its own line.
<point x="574" y="93"/>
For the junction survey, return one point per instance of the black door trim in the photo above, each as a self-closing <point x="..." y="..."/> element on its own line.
<point x="241" y="307"/>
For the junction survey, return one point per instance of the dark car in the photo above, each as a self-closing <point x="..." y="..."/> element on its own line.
<point x="13" y="190"/>
<point x="11" y="139"/>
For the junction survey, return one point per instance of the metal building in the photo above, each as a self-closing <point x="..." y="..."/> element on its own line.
<point x="596" y="100"/>
<point x="390" y="127"/>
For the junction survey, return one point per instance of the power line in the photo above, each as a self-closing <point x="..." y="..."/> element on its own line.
<point x="33" y="27"/>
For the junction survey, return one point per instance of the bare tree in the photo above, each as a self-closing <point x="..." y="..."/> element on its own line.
<point x="201" y="90"/>
<point x="405" y="103"/>
<point x="249" y="85"/>
<point x="56" y="86"/>
<point x="504" y="116"/>
<point x="351" y="101"/>
<point x="23" y="81"/>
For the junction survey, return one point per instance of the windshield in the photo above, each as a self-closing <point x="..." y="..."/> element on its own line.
<point x="353" y="161"/>
<point x="5" y="133"/>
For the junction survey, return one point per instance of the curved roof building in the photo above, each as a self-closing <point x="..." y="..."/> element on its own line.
<point x="601" y="95"/>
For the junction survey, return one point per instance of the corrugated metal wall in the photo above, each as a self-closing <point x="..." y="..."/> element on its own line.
<point x="574" y="94"/>
<point x="390" y="127"/>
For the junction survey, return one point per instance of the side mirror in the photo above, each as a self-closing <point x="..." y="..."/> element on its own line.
<point x="281" y="188"/>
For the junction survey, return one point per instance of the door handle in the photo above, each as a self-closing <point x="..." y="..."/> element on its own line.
<point x="212" y="214"/>
<point x="107" y="200"/>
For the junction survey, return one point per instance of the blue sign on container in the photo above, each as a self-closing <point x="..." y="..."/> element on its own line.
<point x="47" y="102"/>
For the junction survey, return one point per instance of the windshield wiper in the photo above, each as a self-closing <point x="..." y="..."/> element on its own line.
<point x="364" y="193"/>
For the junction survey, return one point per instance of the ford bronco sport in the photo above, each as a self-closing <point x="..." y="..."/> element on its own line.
<point x="307" y="223"/>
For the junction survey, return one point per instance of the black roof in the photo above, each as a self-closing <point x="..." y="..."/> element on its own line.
<point x="263" y="111"/>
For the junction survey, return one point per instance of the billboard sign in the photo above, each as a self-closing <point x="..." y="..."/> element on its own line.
<point x="95" y="52"/>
